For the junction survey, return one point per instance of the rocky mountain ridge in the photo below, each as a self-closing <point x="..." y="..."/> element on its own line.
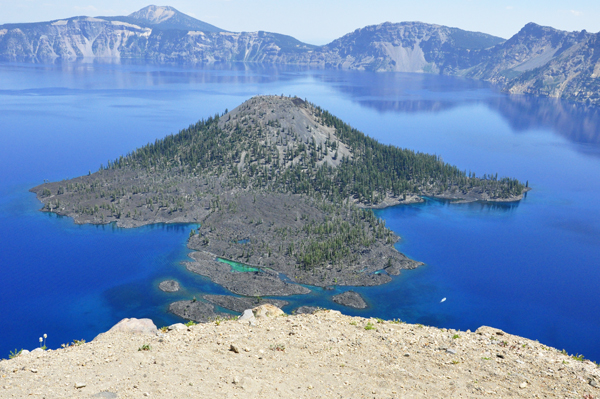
<point x="537" y="60"/>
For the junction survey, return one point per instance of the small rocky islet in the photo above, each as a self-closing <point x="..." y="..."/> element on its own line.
<point x="351" y="299"/>
<point x="278" y="185"/>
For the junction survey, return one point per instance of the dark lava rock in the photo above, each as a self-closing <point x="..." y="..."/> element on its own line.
<point x="263" y="283"/>
<point x="351" y="299"/>
<point x="238" y="304"/>
<point x="402" y="264"/>
<point x="198" y="311"/>
<point x="169" y="286"/>
<point x="306" y="310"/>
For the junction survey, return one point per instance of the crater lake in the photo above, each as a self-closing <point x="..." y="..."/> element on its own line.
<point x="531" y="268"/>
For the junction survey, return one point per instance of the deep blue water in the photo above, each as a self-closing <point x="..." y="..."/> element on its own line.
<point x="531" y="268"/>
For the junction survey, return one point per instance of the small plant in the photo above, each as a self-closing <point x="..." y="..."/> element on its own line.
<point x="14" y="354"/>
<point x="455" y="362"/>
<point x="194" y="299"/>
<point x="565" y="362"/>
<point x="420" y="325"/>
<point x="577" y="357"/>
<point x="396" y="321"/>
<point x="43" y="342"/>
<point x="369" y="326"/>
<point x="164" y="329"/>
<point x="78" y="342"/>
<point x="379" y="320"/>
<point x="352" y="323"/>
<point x="564" y="352"/>
<point x="144" y="347"/>
<point x="455" y="336"/>
<point x="190" y="323"/>
<point x="485" y="358"/>
<point x="278" y="347"/>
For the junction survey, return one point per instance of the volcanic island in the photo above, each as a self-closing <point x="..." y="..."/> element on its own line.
<point x="282" y="193"/>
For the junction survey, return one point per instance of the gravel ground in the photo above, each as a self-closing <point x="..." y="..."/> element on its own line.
<point x="321" y="355"/>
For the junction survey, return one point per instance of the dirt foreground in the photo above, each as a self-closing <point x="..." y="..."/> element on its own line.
<point x="321" y="355"/>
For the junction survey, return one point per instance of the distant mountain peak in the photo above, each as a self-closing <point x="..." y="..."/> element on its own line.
<point x="167" y="17"/>
<point x="154" y="14"/>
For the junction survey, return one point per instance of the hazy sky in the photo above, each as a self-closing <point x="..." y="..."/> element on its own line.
<point x="320" y="21"/>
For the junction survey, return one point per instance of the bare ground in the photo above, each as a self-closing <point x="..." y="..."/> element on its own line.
<point x="325" y="355"/>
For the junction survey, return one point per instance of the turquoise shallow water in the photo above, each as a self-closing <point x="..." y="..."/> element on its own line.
<point x="531" y="268"/>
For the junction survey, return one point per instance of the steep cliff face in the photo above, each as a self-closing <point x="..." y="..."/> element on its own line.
<point x="67" y="39"/>
<point x="544" y="61"/>
<point x="85" y="37"/>
<point x="404" y="47"/>
<point x="198" y="46"/>
<point x="573" y="74"/>
<point x="532" y="48"/>
<point x="165" y="34"/>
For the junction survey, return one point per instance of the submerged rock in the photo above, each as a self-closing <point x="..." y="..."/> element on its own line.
<point x="169" y="286"/>
<point x="351" y="299"/>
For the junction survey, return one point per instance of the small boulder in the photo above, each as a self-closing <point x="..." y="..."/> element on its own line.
<point x="267" y="310"/>
<point x="247" y="316"/>
<point x="177" y="327"/>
